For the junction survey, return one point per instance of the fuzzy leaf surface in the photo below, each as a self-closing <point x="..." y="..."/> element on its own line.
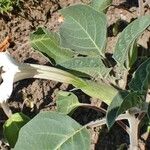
<point x="141" y="78"/>
<point x="66" y="102"/>
<point x="53" y="131"/>
<point x="92" y="66"/>
<point x="123" y="101"/>
<point x="48" y="43"/>
<point x="128" y="36"/>
<point x="100" y="5"/>
<point x="84" y="30"/>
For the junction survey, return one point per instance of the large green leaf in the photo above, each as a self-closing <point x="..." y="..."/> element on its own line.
<point x="53" y="131"/>
<point x="128" y="36"/>
<point x="12" y="127"/>
<point x="84" y="30"/>
<point x="66" y="102"/>
<point x="100" y="5"/>
<point x="123" y="101"/>
<point x="48" y="43"/>
<point x="92" y="66"/>
<point x="141" y="78"/>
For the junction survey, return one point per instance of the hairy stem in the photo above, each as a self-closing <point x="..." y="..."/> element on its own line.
<point x="101" y="122"/>
<point x="132" y="131"/>
<point x="141" y="8"/>
<point x="133" y="135"/>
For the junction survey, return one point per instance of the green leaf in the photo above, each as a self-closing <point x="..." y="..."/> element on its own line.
<point x="12" y="127"/>
<point x="48" y="43"/>
<point x="84" y="30"/>
<point x="92" y="66"/>
<point x="53" y="131"/>
<point x="132" y="56"/>
<point x="128" y="36"/>
<point x="141" y="78"/>
<point x="114" y="106"/>
<point x="100" y="5"/>
<point x="66" y="102"/>
<point x="123" y="101"/>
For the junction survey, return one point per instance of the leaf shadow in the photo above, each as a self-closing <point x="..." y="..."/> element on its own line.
<point x="117" y="27"/>
<point x="115" y="136"/>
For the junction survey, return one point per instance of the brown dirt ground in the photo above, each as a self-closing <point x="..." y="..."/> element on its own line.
<point x="20" y="23"/>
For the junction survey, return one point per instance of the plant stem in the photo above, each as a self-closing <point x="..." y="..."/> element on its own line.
<point x="141" y="8"/>
<point x="133" y="135"/>
<point x="6" y="109"/>
<point x="133" y="130"/>
<point x="119" y="122"/>
<point x="101" y="122"/>
<point x="94" y="107"/>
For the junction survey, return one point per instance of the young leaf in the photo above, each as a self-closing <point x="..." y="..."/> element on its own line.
<point x="100" y="5"/>
<point x="122" y="102"/>
<point x="53" y="131"/>
<point x="141" y="78"/>
<point x="84" y="30"/>
<point x="132" y="55"/>
<point x="66" y="102"/>
<point x="128" y="36"/>
<point x="12" y="127"/>
<point x="48" y="43"/>
<point x="92" y="66"/>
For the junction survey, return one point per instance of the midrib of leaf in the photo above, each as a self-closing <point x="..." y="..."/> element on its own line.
<point x="43" y="39"/>
<point x="69" y="137"/>
<point x="46" y="47"/>
<point x="54" y="134"/>
<point x="89" y="37"/>
<point x="54" y="53"/>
